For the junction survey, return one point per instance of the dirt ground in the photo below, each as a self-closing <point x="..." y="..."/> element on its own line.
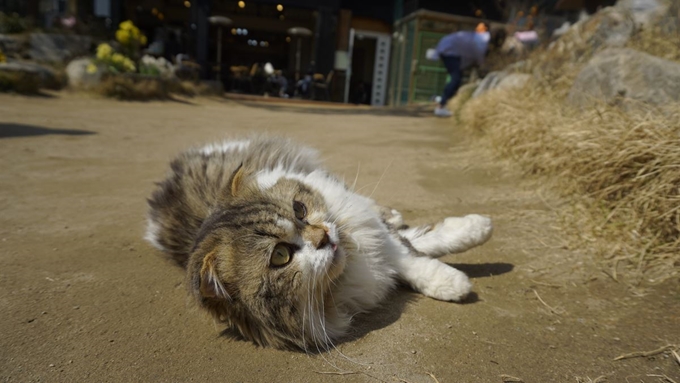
<point x="84" y="299"/>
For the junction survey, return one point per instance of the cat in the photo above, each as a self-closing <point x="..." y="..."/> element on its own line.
<point x="285" y="253"/>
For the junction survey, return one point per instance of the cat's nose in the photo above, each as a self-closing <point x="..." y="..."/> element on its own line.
<point x="325" y="240"/>
<point x="317" y="235"/>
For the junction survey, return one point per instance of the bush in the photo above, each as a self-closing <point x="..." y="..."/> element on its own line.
<point x="112" y="61"/>
<point x="19" y="82"/>
<point x="130" y="38"/>
<point x="12" y="23"/>
<point x="133" y="88"/>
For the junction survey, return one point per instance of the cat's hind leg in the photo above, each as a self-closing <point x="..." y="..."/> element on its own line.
<point x="453" y="235"/>
<point x="432" y="277"/>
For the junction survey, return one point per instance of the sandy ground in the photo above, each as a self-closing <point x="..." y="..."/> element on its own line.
<point x="84" y="298"/>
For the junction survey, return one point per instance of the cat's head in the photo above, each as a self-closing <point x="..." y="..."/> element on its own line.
<point x="264" y="262"/>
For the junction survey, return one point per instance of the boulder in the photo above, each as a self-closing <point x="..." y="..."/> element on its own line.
<point x="79" y="77"/>
<point x="489" y="82"/>
<point x="514" y="80"/>
<point x="13" y="45"/>
<point x="644" y="12"/>
<point x="627" y="77"/>
<point x="57" y="48"/>
<point x="15" y="77"/>
<point x="610" y="27"/>
<point x="501" y="80"/>
<point x="44" y="77"/>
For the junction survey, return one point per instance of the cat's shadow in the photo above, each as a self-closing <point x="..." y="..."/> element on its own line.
<point x="390" y="311"/>
<point x="483" y="270"/>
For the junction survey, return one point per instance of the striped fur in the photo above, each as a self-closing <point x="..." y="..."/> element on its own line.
<point x="225" y="208"/>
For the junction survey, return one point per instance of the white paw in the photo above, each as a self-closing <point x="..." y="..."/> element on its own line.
<point x="448" y="284"/>
<point x="472" y="230"/>
<point x="396" y="219"/>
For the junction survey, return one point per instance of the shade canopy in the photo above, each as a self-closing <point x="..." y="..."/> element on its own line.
<point x="221" y="21"/>
<point x="299" y="31"/>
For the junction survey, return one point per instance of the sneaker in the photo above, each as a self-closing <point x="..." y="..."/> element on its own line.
<point x="442" y="112"/>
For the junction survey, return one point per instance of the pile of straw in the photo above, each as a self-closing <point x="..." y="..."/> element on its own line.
<point x="624" y="167"/>
<point x="619" y="169"/>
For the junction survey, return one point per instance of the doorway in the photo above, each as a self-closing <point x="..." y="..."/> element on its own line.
<point x="366" y="80"/>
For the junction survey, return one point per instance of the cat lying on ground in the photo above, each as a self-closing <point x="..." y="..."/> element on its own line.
<point x="284" y="252"/>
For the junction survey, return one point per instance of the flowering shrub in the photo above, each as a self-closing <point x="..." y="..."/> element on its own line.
<point x="152" y="66"/>
<point x="113" y="61"/>
<point x="130" y="37"/>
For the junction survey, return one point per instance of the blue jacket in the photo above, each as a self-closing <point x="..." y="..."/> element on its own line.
<point x="470" y="46"/>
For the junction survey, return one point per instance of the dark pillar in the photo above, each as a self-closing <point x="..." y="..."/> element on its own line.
<point x="324" y="40"/>
<point x="32" y="10"/>
<point x="200" y="11"/>
<point x="116" y="14"/>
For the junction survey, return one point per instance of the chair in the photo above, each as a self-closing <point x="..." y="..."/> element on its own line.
<point x="325" y="85"/>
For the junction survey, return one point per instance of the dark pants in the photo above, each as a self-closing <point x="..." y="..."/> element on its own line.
<point x="452" y="64"/>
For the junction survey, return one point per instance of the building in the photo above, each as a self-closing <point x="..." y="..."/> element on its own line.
<point x="348" y="43"/>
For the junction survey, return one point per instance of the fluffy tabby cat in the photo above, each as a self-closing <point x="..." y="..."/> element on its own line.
<point x="284" y="252"/>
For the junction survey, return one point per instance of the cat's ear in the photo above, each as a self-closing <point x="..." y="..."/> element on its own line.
<point x="237" y="180"/>
<point x="210" y="284"/>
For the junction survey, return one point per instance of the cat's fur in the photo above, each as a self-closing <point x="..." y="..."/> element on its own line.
<point x="224" y="208"/>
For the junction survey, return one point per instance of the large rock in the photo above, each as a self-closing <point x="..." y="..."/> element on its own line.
<point x="15" y="77"/>
<point x="625" y="75"/>
<point x="79" y="77"/>
<point x="644" y="12"/>
<point x="608" y="28"/>
<point x="44" y="77"/>
<point x="501" y="80"/>
<point x="56" y="48"/>
<point x="13" y="45"/>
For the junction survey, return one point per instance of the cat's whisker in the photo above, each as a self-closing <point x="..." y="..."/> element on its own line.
<point x="327" y="342"/>
<point x="314" y="331"/>
<point x="356" y="178"/>
<point x="380" y="179"/>
<point x="304" y="312"/>
<point x="330" y="293"/>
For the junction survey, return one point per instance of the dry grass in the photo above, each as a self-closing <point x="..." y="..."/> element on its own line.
<point x="133" y="89"/>
<point x="142" y="88"/>
<point x="624" y="168"/>
<point x="195" y="88"/>
<point x="620" y="169"/>
<point x="657" y="42"/>
<point x="661" y="38"/>
<point x="19" y="82"/>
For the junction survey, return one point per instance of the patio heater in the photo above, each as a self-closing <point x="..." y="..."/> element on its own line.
<point x="298" y="32"/>
<point x="219" y="21"/>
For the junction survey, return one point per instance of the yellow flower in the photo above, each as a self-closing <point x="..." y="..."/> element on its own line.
<point x="143" y="40"/>
<point x="117" y="58"/>
<point x="104" y="51"/>
<point x="129" y="65"/>
<point x="123" y="36"/>
<point x="126" y="25"/>
<point x="91" y="68"/>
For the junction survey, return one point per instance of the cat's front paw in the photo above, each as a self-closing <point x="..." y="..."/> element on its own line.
<point x="396" y="219"/>
<point x="391" y="217"/>
<point x="448" y="284"/>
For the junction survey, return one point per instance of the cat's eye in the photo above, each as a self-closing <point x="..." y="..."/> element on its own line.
<point x="300" y="210"/>
<point x="281" y="256"/>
